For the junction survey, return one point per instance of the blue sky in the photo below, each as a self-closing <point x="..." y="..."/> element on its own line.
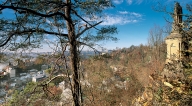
<point x="134" y="19"/>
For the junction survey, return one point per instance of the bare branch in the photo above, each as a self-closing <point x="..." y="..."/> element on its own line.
<point x="83" y="19"/>
<point x="87" y="28"/>
<point x="29" y="31"/>
<point x="82" y="43"/>
<point x="61" y="75"/>
<point x="22" y="10"/>
<point x="6" y="41"/>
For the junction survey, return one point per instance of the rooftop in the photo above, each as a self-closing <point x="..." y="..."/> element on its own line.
<point x="174" y="35"/>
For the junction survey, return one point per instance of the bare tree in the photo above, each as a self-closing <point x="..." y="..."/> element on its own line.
<point x="156" y="40"/>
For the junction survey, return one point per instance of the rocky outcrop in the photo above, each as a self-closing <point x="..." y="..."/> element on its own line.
<point x="173" y="70"/>
<point x="170" y="87"/>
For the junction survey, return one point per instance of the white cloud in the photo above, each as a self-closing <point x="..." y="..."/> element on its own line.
<point x="123" y="12"/>
<point x="130" y="13"/>
<point x="113" y="20"/>
<point x="118" y="1"/>
<point x="135" y="14"/>
<point x="135" y="21"/>
<point x="139" y="1"/>
<point x="129" y="2"/>
<point x="122" y="18"/>
<point x="134" y="1"/>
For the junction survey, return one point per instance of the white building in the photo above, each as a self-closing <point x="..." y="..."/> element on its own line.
<point x="33" y="72"/>
<point x="11" y="71"/>
<point x="2" y="69"/>
<point x="38" y="77"/>
<point x="5" y="69"/>
<point x="26" y="78"/>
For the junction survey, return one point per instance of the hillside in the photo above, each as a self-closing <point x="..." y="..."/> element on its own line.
<point x="121" y="75"/>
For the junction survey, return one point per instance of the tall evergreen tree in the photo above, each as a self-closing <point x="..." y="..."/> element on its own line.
<point x="33" y="20"/>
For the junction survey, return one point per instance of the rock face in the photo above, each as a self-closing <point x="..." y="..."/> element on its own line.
<point x="66" y="97"/>
<point x="164" y="87"/>
<point x="173" y="70"/>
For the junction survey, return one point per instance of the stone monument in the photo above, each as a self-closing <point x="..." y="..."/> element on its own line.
<point x="177" y="16"/>
<point x="174" y="40"/>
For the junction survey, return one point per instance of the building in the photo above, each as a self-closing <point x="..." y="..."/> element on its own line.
<point x="33" y="72"/>
<point x="11" y="71"/>
<point x="39" y="76"/>
<point x="44" y="67"/>
<point x="174" y="46"/>
<point x="6" y="68"/>
<point x="174" y="40"/>
<point x="2" y="69"/>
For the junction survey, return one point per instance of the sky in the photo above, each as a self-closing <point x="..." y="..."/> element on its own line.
<point x="133" y="19"/>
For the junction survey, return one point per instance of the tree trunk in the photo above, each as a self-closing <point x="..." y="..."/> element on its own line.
<point x="74" y="68"/>
<point x="73" y="55"/>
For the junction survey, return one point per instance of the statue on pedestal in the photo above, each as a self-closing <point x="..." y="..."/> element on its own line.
<point x="177" y="16"/>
